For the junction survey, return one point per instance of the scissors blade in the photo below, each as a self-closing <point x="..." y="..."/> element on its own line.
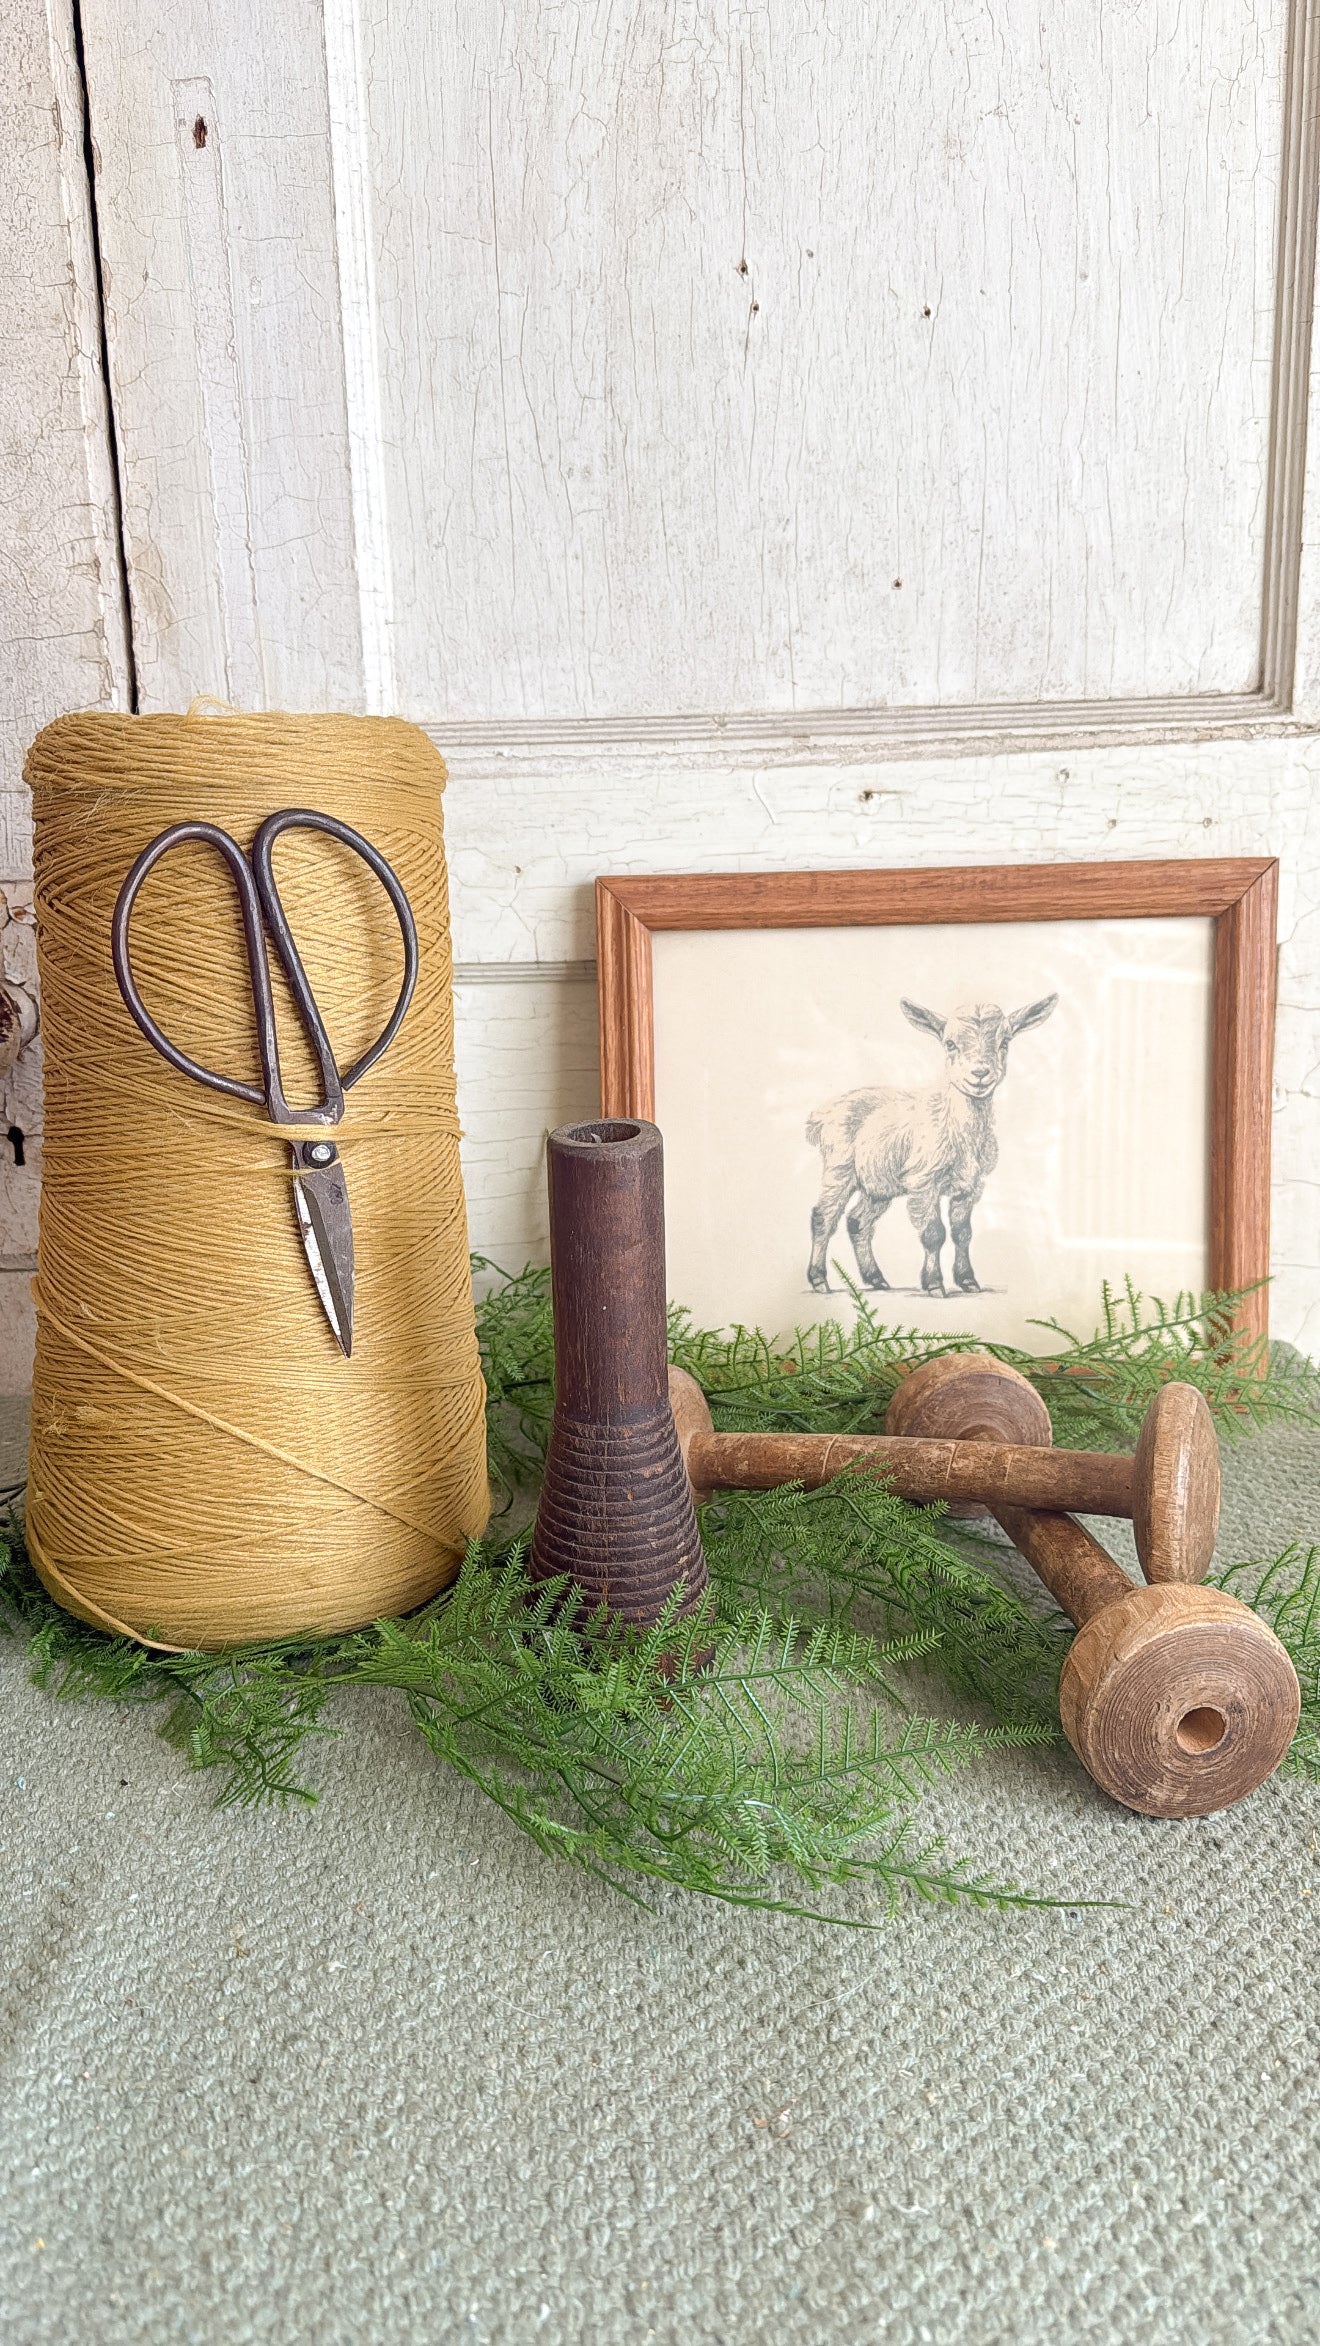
<point x="320" y="1200"/>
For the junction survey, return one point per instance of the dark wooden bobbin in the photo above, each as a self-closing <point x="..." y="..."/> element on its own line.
<point x="615" y="1513"/>
<point x="1177" y="1699"/>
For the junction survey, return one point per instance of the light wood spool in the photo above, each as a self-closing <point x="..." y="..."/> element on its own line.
<point x="1178" y="1701"/>
<point x="926" y="1472"/>
<point x="1176" y="1486"/>
<point x="968" y="1397"/>
<point x="1170" y="1489"/>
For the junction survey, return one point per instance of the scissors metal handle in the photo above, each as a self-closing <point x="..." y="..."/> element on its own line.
<point x="258" y="896"/>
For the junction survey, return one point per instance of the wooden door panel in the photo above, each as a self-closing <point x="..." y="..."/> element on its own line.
<point x="217" y="220"/>
<point x="63" y="635"/>
<point x="574" y="367"/>
<point x="439" y="386"/>
<point x="827" y="357"/>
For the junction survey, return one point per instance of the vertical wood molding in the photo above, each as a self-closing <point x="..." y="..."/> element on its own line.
<point x="87" y="351"/>
<point x="1241" y="1093"/>
<point x="226" y="362"/>
<point x="626" y="1007"/>
<point x="1299" y="196"/>
<point x="63" y="617"/>
<point x="350" y="160"/>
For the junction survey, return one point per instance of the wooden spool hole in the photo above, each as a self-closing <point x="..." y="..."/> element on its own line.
<point x="607" y="1133"/>
<point x="1201" y="1730"/>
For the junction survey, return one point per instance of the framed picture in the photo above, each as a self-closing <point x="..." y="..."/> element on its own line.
<point x="972" y="1094"/>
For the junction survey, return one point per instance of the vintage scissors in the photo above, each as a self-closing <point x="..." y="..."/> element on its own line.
<point x="320" y="1196"/>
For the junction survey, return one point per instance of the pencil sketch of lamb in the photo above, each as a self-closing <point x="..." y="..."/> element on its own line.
<point x="877" y="1145"/>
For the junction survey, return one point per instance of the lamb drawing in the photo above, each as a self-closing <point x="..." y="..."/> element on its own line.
<point x="879" y="1144"/>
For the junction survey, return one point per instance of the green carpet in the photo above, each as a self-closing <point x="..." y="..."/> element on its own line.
<point x="380" y="2072"/>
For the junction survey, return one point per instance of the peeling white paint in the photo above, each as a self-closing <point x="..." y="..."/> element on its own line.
<point x="62" y="611"/>
<point x="598" y="377"/>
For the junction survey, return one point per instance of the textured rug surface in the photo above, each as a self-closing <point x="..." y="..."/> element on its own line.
<point x="380" y="2072"/>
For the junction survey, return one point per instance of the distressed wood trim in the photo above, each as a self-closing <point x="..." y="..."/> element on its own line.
<point x="626" y="1002"/>
<point x="209" y="245"/>
<point x="1299" y="196"/>
<point x="88" y="349"/>
<point x="1239" y="893"/>
<point x="495" y="749"/>
<point x="1241" y="1093"/>
<point x="355" y="241"/>
<point x="524" y="973"/>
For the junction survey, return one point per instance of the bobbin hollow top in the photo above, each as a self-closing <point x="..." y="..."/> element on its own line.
<point x="607" y="1251"/>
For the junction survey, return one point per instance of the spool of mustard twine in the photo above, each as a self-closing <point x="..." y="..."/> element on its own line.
<point x="206" y="1466"/>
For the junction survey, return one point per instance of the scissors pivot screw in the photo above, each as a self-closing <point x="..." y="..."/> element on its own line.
<point x="321" y="1152"/>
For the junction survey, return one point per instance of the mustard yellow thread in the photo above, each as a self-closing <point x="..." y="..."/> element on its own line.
<point x="206" y="1467"/>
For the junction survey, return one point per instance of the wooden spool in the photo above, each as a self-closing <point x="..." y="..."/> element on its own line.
<point x="1177" y="1699"/>
<point x="969" y="1397"/>
<point x="615" y="1512"/>
<point x="961" y="1397"/>
<point x="1170" y="1489"/>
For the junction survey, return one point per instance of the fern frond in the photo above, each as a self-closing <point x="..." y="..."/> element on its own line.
<point x="778" y="1735"/>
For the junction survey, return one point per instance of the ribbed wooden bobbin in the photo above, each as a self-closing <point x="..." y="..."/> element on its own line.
<point x="616" y="1513"/>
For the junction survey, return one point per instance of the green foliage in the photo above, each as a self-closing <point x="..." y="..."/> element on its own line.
<point x="1286" y="1593"/>
<point x="840" y="1379"/>
<point x="851" y="1552"/>
<point x="719" y="1753"/>
<point x="764" y="1752"/>
<point x="714" y="1752"/>
<point x="247" y="1712"/>
<point x="1098" y="1388"/>
<point x="516" y="1333"/>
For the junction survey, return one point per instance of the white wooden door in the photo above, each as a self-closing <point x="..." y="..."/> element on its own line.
<point x="790" y="434"/>
<point x="63" y="635"/>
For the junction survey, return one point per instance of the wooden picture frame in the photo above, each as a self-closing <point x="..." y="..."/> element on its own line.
<point x="1239" y="894"/>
